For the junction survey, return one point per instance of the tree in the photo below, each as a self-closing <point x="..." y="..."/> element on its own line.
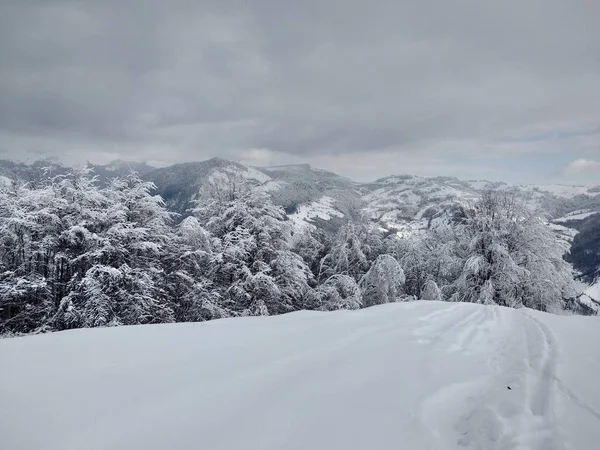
<point x="431" y="291"/>
<point x="383" y="282"/>
<point x="257" y="271"/>
<point x="512" y="258"/>
<point x="339" y="292"/>
<point x="354" y="248"/>
<point x="117" y="278"/>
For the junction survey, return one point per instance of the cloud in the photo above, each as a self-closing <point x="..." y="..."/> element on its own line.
<point x="581" y="166"/>
<point x="309" y="80"/>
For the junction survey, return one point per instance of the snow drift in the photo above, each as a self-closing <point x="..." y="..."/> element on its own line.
<point x="421" y="375"/>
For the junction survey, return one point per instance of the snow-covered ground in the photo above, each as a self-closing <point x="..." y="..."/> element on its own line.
<point x="565" y="190"/>
<point x="591" y="296"/>
<point x="421" y="375"/>
<point x="575" y="216"/>
<point x="565" y="234"/>
<point x="324" y="208"/>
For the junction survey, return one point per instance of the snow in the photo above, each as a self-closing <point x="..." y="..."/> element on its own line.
<point x="420" y="375"/>
<point x="565" y="234"/>
<point x="594" y="291"/>
<point x="564" y="190"/>
<point x="255" y="174"/>
<point x="248" y="173"/>
<point x="271" y="185"/>
<point x="321" y="209"/>
<point x="479" y="184"/>
<point x="577" y="215"/>
<point x="591" y="296"/>
<point x="4" y="181"/>
<point x="399" y="202"/>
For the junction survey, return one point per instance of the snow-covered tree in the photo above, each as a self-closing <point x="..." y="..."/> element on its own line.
<point x="384" y="281"/>
<point x="256" y="269"/>
<point x="117" y="278"/>
<point x="308" y="243"/>
<point x="512" y="258"/>
<point x="339" y="292"/>
<point x="433" y="255"/>
<point x="431" y="291"/>
<point x="74" y="253"/>
<point x="353" y="249"/>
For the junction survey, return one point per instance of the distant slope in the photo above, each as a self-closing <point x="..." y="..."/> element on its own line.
<point x="403" y="203"/>
<point x="400" y="198"/>
<point x="302" y="185"/>
<point x="585" y="251"/>
<point x="406" y="202"/>
<point x="180" y="184"/>
<point x="591" y="296"/>
<point x="422" y="375"/>
<point x="120" y="168"/>
<point x="289" y="186"/>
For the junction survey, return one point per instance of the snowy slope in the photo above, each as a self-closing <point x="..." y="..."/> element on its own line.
<point x="402" y="201"/>
<point x="321" y="209"/>
<point x="307" y="192"/>
<point x="566" y="190"/>
<point x="591" y="296"/>
<point x="422" y="375"/>
<point x="575" y="216"/>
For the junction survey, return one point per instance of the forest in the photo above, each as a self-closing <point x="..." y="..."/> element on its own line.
<point x="78" y="253"/>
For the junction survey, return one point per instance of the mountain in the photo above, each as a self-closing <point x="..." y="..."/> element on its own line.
<point x="179" y="184"/>
<point x="290" y="186"/>
<point x="10" y="170"/>
<point x="402" y="203"/>
<point x="120" y="168"/>
<point x="407" y="203"/>
<point x="419" y="375"/>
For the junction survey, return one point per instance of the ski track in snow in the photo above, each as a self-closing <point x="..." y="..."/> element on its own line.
<point x="497" y="417"/>
<point x="420" y="375"/>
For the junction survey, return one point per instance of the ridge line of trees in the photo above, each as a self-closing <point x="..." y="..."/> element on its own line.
<point x="74" y="254"/>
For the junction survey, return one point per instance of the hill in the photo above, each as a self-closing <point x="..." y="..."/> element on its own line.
<point x="419" y="375"/>
<point x="400" y="203"/>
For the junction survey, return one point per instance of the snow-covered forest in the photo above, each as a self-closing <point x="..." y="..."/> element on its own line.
<point x="78" y="253"/>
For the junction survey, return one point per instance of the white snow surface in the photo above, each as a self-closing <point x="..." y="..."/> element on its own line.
<point x="324" y="209"/>
<point x="594" y="291"/>
<point x="591" y="296"/>
<point x="576" y="215"/>
<point x="565" y="234"/>
<point x="565" y="190"/>
<point x="420" y="375"/>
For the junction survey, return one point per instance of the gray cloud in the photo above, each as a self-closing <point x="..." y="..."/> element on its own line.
<point x="179" y="80"/>
<point x="582" y="165"/>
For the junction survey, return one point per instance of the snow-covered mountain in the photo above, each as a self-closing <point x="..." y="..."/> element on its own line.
<point x="403" y="203"/>
<point x="404" y="200"/>
<point x="419" y="375"/>
<point x="290" y="186"/>
<point x="395" y="200"/>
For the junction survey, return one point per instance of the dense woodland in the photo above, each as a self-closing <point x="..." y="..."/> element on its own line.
<point x="75" y="253"/>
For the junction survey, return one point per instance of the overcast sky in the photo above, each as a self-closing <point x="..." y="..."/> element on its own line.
<point x="498" y="89"/>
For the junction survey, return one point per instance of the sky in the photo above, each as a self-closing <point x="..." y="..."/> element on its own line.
<point x="500" y="89"/>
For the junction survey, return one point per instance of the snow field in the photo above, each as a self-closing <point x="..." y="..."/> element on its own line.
<point x="418" y="375"/>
